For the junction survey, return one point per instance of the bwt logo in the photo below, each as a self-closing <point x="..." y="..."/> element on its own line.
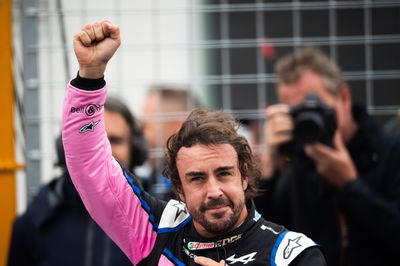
<point x="89" y="109"/>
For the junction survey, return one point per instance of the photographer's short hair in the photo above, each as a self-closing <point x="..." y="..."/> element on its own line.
<point x="210" y="127"/>
<point x="290" y="68"/>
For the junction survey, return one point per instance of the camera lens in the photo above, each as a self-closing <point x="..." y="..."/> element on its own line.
<point x="314" y="121"/>
<point x="309" y="127"/>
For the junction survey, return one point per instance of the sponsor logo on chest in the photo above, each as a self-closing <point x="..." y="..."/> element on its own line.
<point x="216" y="244"/>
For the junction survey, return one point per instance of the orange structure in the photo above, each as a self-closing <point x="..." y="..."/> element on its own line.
<point x="8" y="165"/>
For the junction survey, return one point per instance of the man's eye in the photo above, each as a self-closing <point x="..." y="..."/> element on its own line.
<point x="225" y="173"/>
<point x="196" y="179"/>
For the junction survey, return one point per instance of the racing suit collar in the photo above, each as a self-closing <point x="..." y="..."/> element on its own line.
<point x="252" y="217"/>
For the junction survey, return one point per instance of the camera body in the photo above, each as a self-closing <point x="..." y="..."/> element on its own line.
<point x="314" y="121"/>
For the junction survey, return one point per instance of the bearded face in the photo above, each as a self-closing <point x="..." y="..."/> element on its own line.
<point x="212" y="187"/>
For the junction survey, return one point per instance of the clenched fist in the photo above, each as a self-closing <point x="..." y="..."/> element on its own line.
<point x="94" y="46"/>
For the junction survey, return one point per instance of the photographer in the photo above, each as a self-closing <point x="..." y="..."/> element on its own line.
<point x="329" y="171"/>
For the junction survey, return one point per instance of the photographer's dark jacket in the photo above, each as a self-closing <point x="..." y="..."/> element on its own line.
<point x="364" y="216"/>
<point x="56" y="230"/>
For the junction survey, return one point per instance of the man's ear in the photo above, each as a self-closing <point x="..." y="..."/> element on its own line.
<point x="345" y="95"/>
<point x="245" y="182"/>
<point x="245" y="179"/>
<point x="180" y="193"/>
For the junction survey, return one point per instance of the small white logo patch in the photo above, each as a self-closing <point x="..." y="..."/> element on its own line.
<point x="264" y="227"/>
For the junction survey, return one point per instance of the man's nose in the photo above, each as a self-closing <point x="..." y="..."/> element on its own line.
<point x="214" y="189"/>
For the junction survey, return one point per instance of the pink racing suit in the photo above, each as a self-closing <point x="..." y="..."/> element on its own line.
<point x="151" y="231"/>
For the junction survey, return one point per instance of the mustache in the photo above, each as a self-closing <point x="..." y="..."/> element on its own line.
<point x="212" y="203"/>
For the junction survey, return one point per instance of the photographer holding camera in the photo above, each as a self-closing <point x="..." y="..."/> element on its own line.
<point x="329" y="171"/>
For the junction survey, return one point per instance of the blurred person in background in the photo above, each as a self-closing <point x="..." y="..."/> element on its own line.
<point x="56" y="229"/>
<point x="329" y="170"/>
<point x="164" y="111"/>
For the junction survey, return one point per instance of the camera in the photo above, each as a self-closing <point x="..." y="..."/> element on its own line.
<point x="314" y="121"/>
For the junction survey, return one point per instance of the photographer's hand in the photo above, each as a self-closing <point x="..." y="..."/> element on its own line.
<point x="334" y="164"/>
<point x="277" y="130"/>
<point x="94" y="45"/>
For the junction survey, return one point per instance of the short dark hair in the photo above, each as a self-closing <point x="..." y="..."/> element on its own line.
<point x="210" y="127"/>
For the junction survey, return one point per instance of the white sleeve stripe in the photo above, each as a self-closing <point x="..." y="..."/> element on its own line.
<point x="288" y="246"/>
<point x="174" y="215"/>
<point x="275" y="248"/>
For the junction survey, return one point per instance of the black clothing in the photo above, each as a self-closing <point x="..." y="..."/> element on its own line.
<point x="392" y="127"/>
<point x="365" y="213"/>
<point x="255" y="242"/>
<point x="56" y="230"/>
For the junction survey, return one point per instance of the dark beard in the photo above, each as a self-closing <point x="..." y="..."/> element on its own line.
<point x="219" y="227"/>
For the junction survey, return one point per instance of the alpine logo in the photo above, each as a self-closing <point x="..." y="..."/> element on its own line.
<point x="243" y="259"/>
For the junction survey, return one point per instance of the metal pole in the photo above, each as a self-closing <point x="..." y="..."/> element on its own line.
<point x="31" y="94"/>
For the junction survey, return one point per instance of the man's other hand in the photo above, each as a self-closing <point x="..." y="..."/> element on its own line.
<point x="208" y="262"/>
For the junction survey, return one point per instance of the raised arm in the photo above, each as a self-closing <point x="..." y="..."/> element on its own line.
<point x="113" y="198"/>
